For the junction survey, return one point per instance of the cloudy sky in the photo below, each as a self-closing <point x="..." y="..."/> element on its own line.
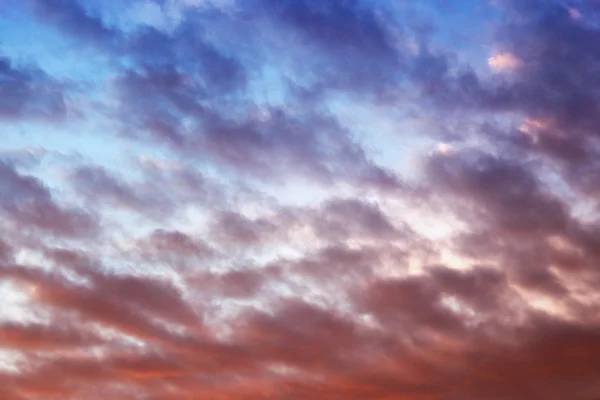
<point x="299" y="199"/>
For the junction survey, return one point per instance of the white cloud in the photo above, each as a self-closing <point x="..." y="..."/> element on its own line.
<point x="176" y="8"/>
<point x="150" y="13"/>
<point x="504" y="62"/>
<point x="444" y="148"/>
<point x="167" y="16"/>
<point x="575" y="14"/>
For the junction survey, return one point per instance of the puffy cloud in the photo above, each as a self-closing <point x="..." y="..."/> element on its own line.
<point x="25" y="201"/>
<point x="213" y="227"/>
<point x="503" y="62"/>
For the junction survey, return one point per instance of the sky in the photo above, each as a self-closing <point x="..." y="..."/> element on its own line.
<point x="299" y="199"/>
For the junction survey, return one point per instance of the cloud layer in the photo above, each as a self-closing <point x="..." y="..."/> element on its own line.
<point x="293" y="199"/>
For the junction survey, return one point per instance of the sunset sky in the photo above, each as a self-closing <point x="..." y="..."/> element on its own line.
<point x="300" y="199"/>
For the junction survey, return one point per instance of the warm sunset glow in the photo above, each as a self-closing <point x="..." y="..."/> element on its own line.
<point x="299" y="199"/>
<point x="504" y="62"/>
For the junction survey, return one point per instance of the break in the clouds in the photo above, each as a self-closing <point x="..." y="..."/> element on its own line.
<point x="292" y="199"/>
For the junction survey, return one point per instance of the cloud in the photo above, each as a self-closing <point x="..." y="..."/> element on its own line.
<point x="217" y="228"/>
<point x="40" y="337"/>
<point x="352" y="44"/>
<point x="352" y="218"/>
<point x="174" y="243"/>
<point x="28" y="92"/>
<point x="503" y="62"/>
<point x="72" y="18"/>
<point x="26" y="201"/>
<point x="507" y="192"/>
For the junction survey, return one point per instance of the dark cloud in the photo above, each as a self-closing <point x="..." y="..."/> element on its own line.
<point x="162" y="243"/>
<point x="5" y="251"/>
<point x="304" y="349"/>
<point x="102" y="189"/>
<point x="91" y="306"/>
<point x="28" y="92"/>
<point x="351" y="218"/>
<point x="71" y="17"/>
<point x="352" y="44"/>
<point x="237" y="284"/>
<point x="144" y="195"/>
<point x="27" y="202"/>
<point x="502" y="190"/>
<point x="172" y="275"/>
<point x="184" y="93"/>
<point x="170" y="108"/>
<point x="36" y="337"/>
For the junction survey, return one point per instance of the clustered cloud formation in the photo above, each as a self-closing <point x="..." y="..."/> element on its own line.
<point x="240" y="239"/>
